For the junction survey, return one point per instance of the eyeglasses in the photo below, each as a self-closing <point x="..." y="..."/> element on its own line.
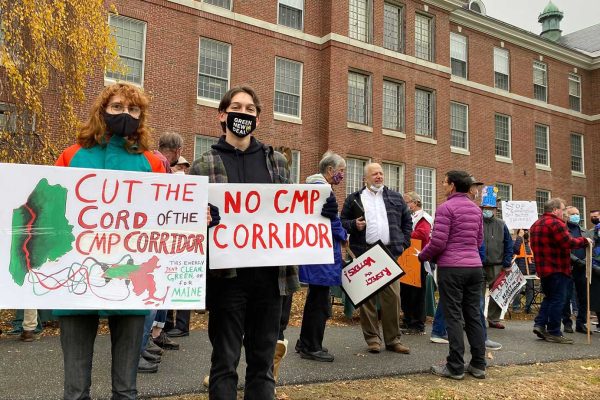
<point x="118" y="108"/>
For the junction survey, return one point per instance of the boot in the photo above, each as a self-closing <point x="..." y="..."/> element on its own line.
<point x="280" y="352"/>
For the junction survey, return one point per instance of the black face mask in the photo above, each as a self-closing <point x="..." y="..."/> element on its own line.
<point x="595" y="221"/>
<point x="240" y="124"/>
<point x="123" y="125"/>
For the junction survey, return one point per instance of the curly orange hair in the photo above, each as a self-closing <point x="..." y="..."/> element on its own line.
<point x="93" y="132"/>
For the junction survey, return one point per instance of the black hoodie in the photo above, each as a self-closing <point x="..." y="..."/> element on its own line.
<point x="248" y="166"/>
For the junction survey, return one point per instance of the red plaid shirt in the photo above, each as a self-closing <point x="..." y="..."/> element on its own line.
<point x="551" y="245"/>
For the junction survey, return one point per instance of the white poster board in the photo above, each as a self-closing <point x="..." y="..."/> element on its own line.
<point x="74" y="238"/>
<point x="270" y="225"/>
<point x="506" y="286"/>
<point x="519" y="214"/>
<point x="371" y="272"/>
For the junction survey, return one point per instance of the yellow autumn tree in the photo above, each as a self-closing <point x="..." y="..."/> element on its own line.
<point x="48" y="46"/>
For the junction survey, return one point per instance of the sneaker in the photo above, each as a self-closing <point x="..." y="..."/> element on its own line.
<point x="558" y="339"/>
<point x="495" y="325"/>
<point x="438" y="339"/>
<point x="491" y="345"/>
<point x="442" y="370"/>
<point x="152" y="348"/>
<point x="165" y="342"/>
<point x="476" y="372"/>
<point x="540" y="331"/>
<point x="568" y="329"/>
<point x="29" y="336"/>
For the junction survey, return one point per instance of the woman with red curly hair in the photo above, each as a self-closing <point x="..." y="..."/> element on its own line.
<point x="117" y="137"/>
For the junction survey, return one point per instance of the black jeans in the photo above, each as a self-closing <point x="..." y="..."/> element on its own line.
<point x="316" y="313"/>
<point x="580" y="282"/>
<point x="243" y="309"/>
<point x="460" y="293"/>
<point x="77" y="337"/>
<point x="179" y="319"/>
<point x="412" y="301"/>
<point x="286" y="309"/>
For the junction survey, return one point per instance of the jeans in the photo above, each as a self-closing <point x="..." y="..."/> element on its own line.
<point x="554" y="287"/>
<point x="77" y="337"/>
<point x="528" y="297"/>
<point x="579" y="283"/>
<point x="178" y="319"/>
<point x="438" y="327"/>
<point x="148" y="322"/>
<point x="460" y="295"/>
<point x="245" y="309"/>
<point x="315" y="316"/>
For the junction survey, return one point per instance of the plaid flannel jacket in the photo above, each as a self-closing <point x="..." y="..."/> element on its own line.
<point x="211" y="165"/>
<point x="551" y="245"/>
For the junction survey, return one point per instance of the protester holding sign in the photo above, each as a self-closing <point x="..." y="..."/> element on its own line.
<point x="377" y="213"/>
<point x="117" y="137"/>
<point x="321" y="277"/>
<point x="524" y="260"/>
<point x="244" y="304"/>
<point x="455" y="242"/>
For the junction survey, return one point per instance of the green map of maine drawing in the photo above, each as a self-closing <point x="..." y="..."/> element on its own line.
<point x="40" y="230"/>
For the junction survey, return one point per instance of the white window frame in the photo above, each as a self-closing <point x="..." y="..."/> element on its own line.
<point x="576" y="79"/>
<point x="399" y="107"/>
<point x="295" y="165"/>
<point x="498" y="156"/>
<point x="540" y="68"/>
<point x="581" y="137"/>
<point x="540" y="207"/>
<point x="510" y="190"/>
<point x="275" y="91"/>
<point x="461" y="40"/>
<point x="399" y="9"/>
<point x="368" y="99"/>
<point x="209" y="100"/>
<point x="209" y="139"/>
<point x="547" y="134"/>
<point x="355" y="33"/>
<point x="387" y="166"/>
<point x="504" y="56"/>
<point x="418" y="38"/>
<point x="351" y="176"/>
<point x="109" y="80"/>
<point x="216" y="5"/>
<point x="433" y="189"/>
<point x="452" y="129"/>
<point x="431" y="112"/>
<point x="288" y="3"/>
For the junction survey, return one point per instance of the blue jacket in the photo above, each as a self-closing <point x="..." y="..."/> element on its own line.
<point x="326" y="274"/>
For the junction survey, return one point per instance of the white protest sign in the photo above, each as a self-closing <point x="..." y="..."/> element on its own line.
<point x="369" y="273"/>
<point x="505" y="287"/>
<point x="74" y="238"/>
<point x="269" y="225"/>
<point x="519" y="214"/>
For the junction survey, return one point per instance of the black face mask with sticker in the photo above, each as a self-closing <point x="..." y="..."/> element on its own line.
<point x="123" y="125"/>
<point x="240" y="124"/>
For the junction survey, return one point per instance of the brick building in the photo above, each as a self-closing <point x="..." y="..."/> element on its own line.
<point x="422" y="86"/>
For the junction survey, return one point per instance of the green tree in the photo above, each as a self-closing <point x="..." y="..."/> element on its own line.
<point x="48" y="45"/>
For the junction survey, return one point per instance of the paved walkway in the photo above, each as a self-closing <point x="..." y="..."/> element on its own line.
<point x="34" y="370"/>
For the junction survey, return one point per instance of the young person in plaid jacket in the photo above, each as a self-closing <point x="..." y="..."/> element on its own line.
<point x="551" y="245"/>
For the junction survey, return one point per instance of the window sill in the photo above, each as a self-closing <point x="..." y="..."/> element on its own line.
<point x="578" y="174"/>
<point x="504" y="160"/>
<point x="543" y="167"/>
<point x="460" y="150"/>
<point x="207" y="102"/>
<point x="287" y="118"/>
<point x="425" y="139"/>
<point x="360" y="127"/>
<point x="390" y="132"/>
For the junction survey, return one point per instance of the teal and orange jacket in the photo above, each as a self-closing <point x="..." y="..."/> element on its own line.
<point x="112" y="156"/>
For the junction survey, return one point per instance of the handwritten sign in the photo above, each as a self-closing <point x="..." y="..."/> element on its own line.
<point x="270" y="225"/>
<point x="519" y="214"/>
<point x="369" y="273"/>
<point x="410" y="263"/>
<point x="489" y="196"/>
<point x="76" y="238"/>
<point x="506" y="286"/>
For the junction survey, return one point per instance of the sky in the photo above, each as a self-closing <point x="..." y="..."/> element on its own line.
<point x="578" y="14"/>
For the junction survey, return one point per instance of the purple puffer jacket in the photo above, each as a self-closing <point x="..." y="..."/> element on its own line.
<point x="457" y="234"/>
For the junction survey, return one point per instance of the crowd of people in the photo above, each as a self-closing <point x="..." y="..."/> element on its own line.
<point x="465" y="245"/>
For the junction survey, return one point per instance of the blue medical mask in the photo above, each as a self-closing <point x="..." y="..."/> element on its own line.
<point x="575" y="218"/>
<point x="488" y="213"/>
